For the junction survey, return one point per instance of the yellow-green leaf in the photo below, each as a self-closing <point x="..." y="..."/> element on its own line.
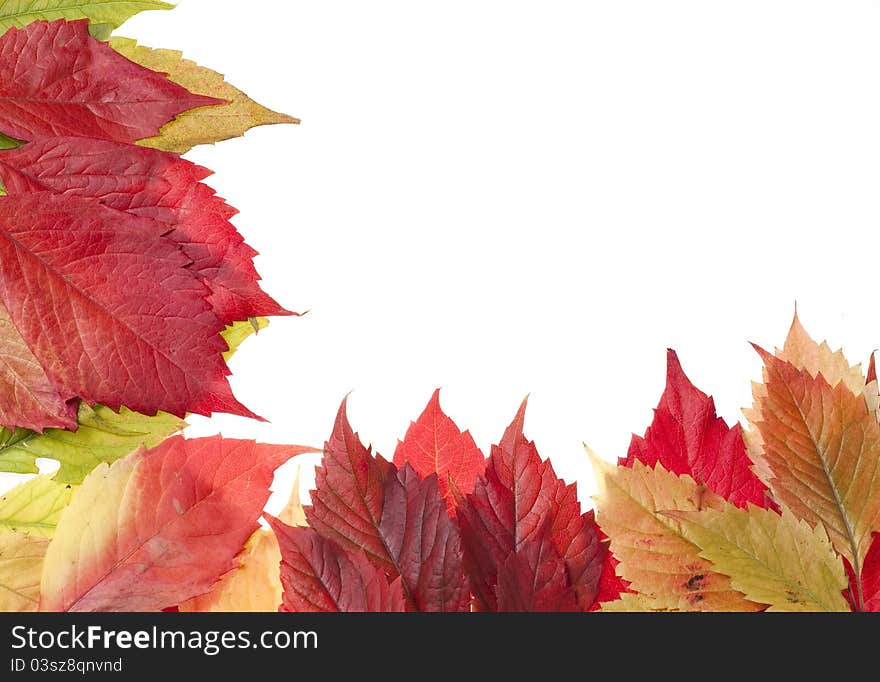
<point x="112" y="13"/>
<point x="235" y="334"/>
<point x="103" y="436"/>
<point x="655" y="557"/>
<point x="21" y="565"/>
<point x="34" y="507"/>
<point x="773" y="559"/>
<point x="205" y="125"/>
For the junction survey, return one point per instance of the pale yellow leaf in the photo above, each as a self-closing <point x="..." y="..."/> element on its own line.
<point x="655" y="557"/>
<point x="21" y="563"/>
<point x="255" y="586"/>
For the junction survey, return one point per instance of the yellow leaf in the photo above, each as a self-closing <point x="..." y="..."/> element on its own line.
<point x="255" y="586"/>
<point x="205" y="125"/>
<point x="236" y="333"/>
<point x="654" y="555"/>
<point x="21" y="563"/>
<point x="773" y="559"/>
<point x="34" y="507"/>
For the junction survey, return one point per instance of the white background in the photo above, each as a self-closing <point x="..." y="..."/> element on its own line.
<point x="504" y="198"/>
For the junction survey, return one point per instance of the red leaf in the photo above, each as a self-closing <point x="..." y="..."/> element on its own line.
<point x="349" y="493"/>
<point x="159" y="527"/>
<point x="509" y="508"/>
<point x="687" y="437"/>
<point x="611" y="585"/>
<point x="423" y="543"/>
<point x="319" y="576"/>
<point x="55" y="79"/>
<point x="533" y="578"/>
<point x="871" y="576"/>
<point x="152" y="184"/>
<point x="434" y="444"/>
<point x="108" y="312"/>
<point x="363" y="502"/>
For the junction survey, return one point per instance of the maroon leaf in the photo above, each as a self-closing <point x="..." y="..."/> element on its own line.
<point x="423" y="543"/>
<point x="509" y="508"/>
<point x="318" y="576"/>
<point x="364" y="503"/>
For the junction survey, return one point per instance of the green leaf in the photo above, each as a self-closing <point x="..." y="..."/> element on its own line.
<point x="111" y="12"/>
<point x="102" y="436"/>
<point x="34" y="507"/>
<point x="205" y="125"/>
<point x="773" y="559"/>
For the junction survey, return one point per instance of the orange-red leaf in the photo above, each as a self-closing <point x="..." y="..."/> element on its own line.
<point x="159" y="527"/>
<point x="435" y="445"/>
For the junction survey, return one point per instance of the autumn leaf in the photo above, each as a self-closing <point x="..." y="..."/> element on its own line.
<point x="319" y="576"/>
<point x="611" y="586"/>
<point x="533" y="578"/>
<point x="294" y="514"/>
<point x="655" y="556"/>
<point x="151" y="184"/>
<point x="55" y="79"/>
<point x="773" y="559"/>
<point x="435" y="445"/>
<point x="253" y="587"/>
<point x="871" y="577"/>
<point x="114" y="13"/>
<point x="159" y="527"/>
<point x="517" y="499"/>
<point x="34" y="507"/>
<point x="363" y="502"/>
<point x="687" y="437"/>
<point x="423" y="543"/>
<point x="21" y="562"/>
<point x="238" y="332"/>
<point x="821" y="446"/>
<point x="205" y="125"/>
<point x="109" y="313"/>
<point x="350" y="493"/>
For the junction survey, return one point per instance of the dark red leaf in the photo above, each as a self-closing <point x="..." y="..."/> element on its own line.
<point x="364" y="503"/>
<point x="423" y="543"/>
<point x="349" y="494"/>
<point x="55" y="79"/>
<point x="687" y="437"/>
<point x="511" y="504"/>
<point x="319" y="576"/>
<point x="534" y="579"/>
<point x="611" y="585"/>
<point x="151" y="184"/>
<point x="434" y="444"/>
